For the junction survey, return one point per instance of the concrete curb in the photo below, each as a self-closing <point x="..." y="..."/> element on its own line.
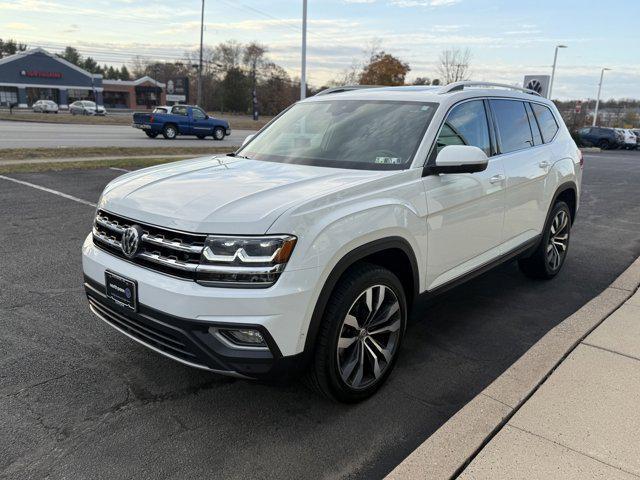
<point x="450" y="449"/>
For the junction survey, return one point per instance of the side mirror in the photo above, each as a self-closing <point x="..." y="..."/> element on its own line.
<point x="248" y="139"/>
<point x="460" y="159"/>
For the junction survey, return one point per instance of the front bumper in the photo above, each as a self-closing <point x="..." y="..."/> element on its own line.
<point x="174" y="316"/>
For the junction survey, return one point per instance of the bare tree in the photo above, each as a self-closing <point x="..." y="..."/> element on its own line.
<point x="453" y="65"/>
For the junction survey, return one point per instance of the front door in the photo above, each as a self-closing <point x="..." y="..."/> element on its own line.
<point x="465" y="211"/>
<point x="199" y="123"/>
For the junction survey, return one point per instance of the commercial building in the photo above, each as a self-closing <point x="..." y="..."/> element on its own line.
<point x="36" y="74"/>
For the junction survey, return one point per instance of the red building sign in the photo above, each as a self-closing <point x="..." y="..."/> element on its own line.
<point x="40" y="74"/>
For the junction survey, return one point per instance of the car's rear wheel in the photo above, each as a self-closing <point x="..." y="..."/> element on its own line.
<point x="360" y="335"/>
<point x="604" y="144"/>
<point x="551" y="253"/>
<point x="218" y="133"/>
<point x="169" y="132"/>
<point x="151" y="134"/>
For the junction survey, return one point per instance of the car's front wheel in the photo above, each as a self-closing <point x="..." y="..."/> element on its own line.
<point x="360" y="335"/>
<point x="551" y="253"/>
<point x="218" y="133"/>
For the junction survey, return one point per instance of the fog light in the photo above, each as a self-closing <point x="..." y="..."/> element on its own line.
<point x="240" y="337"/>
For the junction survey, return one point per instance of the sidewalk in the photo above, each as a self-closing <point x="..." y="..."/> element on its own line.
<point x="583" y="422"/>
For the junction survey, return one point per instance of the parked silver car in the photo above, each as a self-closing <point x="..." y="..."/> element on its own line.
<point x="45" y="106"/>
<point x="86" y="107"/>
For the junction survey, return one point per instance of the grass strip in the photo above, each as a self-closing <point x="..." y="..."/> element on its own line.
<point x="84" y="152"/>
<point x="127" y="163"/>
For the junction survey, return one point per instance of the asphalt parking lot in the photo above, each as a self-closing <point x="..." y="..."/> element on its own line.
<point x="79" y="400"/>
<point x="60" y="135"/>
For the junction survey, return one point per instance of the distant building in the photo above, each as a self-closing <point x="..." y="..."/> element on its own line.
<point x="36" y="74"/>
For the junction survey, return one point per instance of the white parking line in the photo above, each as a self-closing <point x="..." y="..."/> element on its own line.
<point x="45" y="189"/>
<point x="118" y="169"/>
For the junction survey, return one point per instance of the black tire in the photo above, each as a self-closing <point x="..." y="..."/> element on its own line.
<point x="218" y="133"/>
<point x="201" y="137"/>
<point x="542" y="263"/>
<point x="604" y="144"/>
<point x="325" y="374"/>
<point x="170" y="132"/>
<point x="151" y="134"/>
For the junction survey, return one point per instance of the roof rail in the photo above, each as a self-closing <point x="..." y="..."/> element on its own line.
<point x="344" y="88"/>
<point x="458" y="86"/>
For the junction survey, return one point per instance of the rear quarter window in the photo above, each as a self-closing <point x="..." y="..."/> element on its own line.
<point x="546" y="120"/>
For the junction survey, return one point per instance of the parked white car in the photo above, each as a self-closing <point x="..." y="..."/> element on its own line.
<point x="86" y="107"/>
<point x="629" y="138"/>
<point x="45" y="106"/>
<point x="304" y="250"/>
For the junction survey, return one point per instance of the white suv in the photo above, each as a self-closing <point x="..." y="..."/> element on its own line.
<point x="304" y="250"/>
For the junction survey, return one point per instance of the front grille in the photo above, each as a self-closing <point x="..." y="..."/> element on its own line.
<point x="146" y="332"/>
<point x="167" y="251"/>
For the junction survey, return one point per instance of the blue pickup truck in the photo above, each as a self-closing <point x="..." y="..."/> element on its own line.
<point x="180" y="120"/>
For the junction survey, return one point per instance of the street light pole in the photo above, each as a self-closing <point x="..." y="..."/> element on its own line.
<point x="595" y="114"/>
<point x="199" y="102"/>
<point x="553" y="70"/>
<point x="303" y="74"/>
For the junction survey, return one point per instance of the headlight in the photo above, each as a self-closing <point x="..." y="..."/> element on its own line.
<point x="248" y="262"/>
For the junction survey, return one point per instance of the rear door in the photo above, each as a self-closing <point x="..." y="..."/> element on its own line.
<point x="180" y="115"/>
<point x="465" y="211"/>
<point x="527" y="160"/>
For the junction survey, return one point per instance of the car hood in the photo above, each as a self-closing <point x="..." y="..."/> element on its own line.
<point x="222" y="195"/>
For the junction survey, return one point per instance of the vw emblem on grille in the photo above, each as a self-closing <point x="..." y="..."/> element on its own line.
<point x="131" y="240"/>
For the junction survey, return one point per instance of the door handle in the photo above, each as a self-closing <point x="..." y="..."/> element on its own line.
<point x="497" y="178"/>
<point x="544" y="164"/>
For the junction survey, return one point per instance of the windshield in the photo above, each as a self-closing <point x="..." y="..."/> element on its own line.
<point x="366" y="134"/>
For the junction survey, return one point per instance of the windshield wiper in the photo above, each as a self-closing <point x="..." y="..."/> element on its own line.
<point x="232" y="154"/>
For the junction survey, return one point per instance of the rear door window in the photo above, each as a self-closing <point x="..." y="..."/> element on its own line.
<point x="466" y="124"/>
<point x="180" y="110"/>
<point x="546" y="120"/>
<point x="514" y="132"/>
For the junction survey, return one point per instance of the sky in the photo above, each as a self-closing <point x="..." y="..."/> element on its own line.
<point x="507" y="38"/>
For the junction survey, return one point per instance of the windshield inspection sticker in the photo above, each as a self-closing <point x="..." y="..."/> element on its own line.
<point x="388" y="160"/>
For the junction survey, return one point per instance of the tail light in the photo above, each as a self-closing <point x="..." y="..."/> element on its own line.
<point x="580" y="159"/>
<point x="151" y="119"/>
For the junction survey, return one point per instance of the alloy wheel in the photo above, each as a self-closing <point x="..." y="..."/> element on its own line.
<point x="558" y="240"/>
<point x="369" y="337"/>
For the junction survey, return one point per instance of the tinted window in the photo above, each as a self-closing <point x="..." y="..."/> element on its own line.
<point x="546" y="120"/>
<point x="513" y="125"/>
<point x="180" y="110"/>
<point x="198" y="114"/>
<point x="535" y="128"/>
<point x="466" y="124"/>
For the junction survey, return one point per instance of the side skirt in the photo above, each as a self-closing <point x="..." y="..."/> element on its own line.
<point x="523" y="250"/>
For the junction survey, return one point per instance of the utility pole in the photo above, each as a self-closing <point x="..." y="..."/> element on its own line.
<point x="595" y="114"/>
<point x="303" y="74"/>
<point x="553" y="70"/>
<point x="199" y="102"/>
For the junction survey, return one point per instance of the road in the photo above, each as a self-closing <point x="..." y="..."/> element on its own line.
<point x="59" y="135"/>
<point x="79" y="400"/>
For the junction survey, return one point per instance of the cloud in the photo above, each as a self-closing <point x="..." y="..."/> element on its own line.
<point x="18" y="26"/>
